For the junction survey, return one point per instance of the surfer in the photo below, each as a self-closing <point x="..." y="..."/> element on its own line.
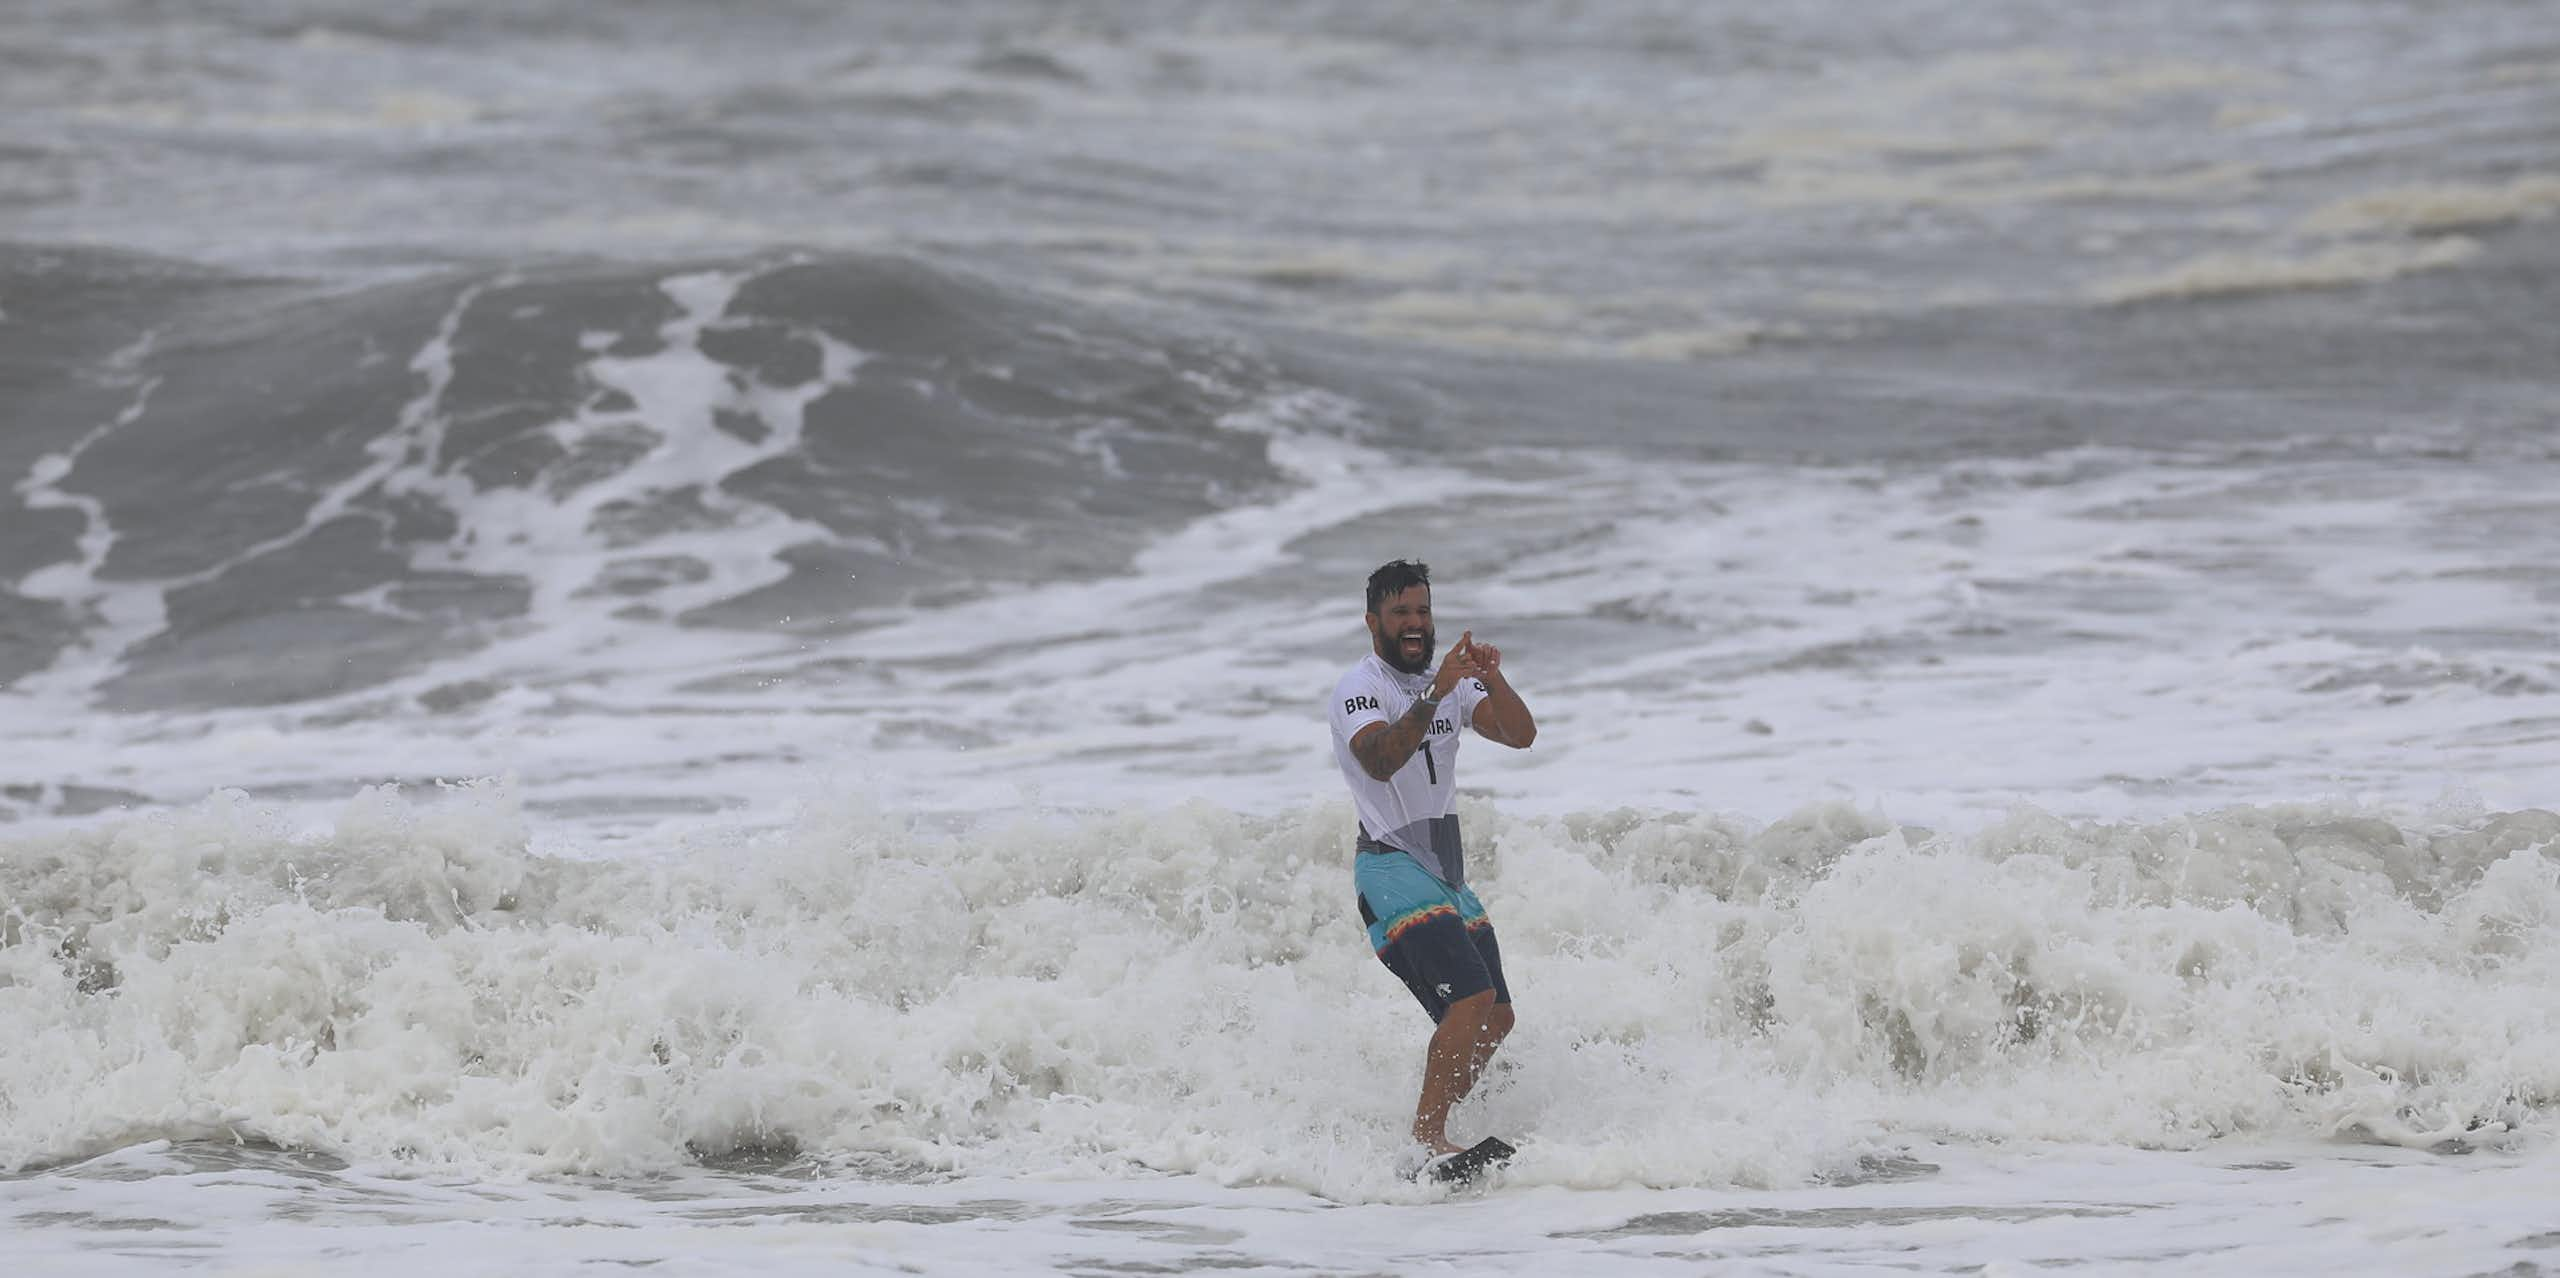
<point x="1397" y="724"/>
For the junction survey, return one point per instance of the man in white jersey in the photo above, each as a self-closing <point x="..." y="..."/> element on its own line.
<point x="1397" y="724"/>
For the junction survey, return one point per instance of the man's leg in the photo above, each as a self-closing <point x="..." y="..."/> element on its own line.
<point x="1421" y="930"/>
<point x="1497" y="1022"/>
<point x="1466" y="1039"/>
<point x="1497" y="1026"/>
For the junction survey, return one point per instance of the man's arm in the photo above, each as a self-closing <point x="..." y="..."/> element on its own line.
<point x="1382" y="748"/>
<point x="1502" y="716"/>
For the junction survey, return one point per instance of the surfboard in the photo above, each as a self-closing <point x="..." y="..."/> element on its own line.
<point x="1465" y="1166"/>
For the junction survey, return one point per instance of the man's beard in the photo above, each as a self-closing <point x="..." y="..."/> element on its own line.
<point x="1391" y="651"/>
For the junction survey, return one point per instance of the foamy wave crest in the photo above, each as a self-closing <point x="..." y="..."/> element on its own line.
<point x="1702" y="1000"/>
<point x="2445" y="207"/>
<point x="2233" y="274"/>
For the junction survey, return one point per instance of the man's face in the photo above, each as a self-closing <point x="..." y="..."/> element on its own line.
<point x="1401" y="630"/>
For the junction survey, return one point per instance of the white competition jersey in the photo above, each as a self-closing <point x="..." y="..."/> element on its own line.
<point x="1415" y="810"/>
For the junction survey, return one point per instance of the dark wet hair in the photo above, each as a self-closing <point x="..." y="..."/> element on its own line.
<point x="1395" y="579"/>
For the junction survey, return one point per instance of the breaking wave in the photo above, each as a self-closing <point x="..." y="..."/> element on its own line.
<point x="1702" y="1000"/>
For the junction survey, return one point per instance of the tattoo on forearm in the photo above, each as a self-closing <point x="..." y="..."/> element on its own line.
<point x="1387" y="749"/>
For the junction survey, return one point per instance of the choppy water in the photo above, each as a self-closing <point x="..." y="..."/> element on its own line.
<point x="2029" y="532"/>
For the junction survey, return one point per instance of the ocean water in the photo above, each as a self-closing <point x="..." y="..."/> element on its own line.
<point x="692" y="637"/>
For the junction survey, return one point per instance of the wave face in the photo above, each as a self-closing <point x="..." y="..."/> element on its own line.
<point x="380" y="478"/>
<point x="702" y="538"/>
<point x="1702" y="1000"/>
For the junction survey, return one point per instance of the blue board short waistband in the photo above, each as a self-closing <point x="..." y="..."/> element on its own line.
<point x="1397" y="895"/>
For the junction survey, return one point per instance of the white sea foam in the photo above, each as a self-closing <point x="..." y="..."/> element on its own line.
<point x="128" y="611"/>
<point x="1703" y="1001"/>
<point x="2095" y="634"/>
<point x="2445" y="207"/>
<point x="2429" y="210"/>
<point x="2281" y="1208"/>
<point x="2224" y="274"/>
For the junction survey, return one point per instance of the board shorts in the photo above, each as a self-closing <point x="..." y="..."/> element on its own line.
<point x="1434" y="937"/>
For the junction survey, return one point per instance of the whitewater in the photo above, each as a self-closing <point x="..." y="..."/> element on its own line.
<point x="1824" y="1038"/>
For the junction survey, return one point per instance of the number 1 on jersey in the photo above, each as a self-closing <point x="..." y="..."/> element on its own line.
<point x="1429" y="767"/>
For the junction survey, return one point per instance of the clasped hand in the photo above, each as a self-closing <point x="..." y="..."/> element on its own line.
<point x="1466" y="658"/>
